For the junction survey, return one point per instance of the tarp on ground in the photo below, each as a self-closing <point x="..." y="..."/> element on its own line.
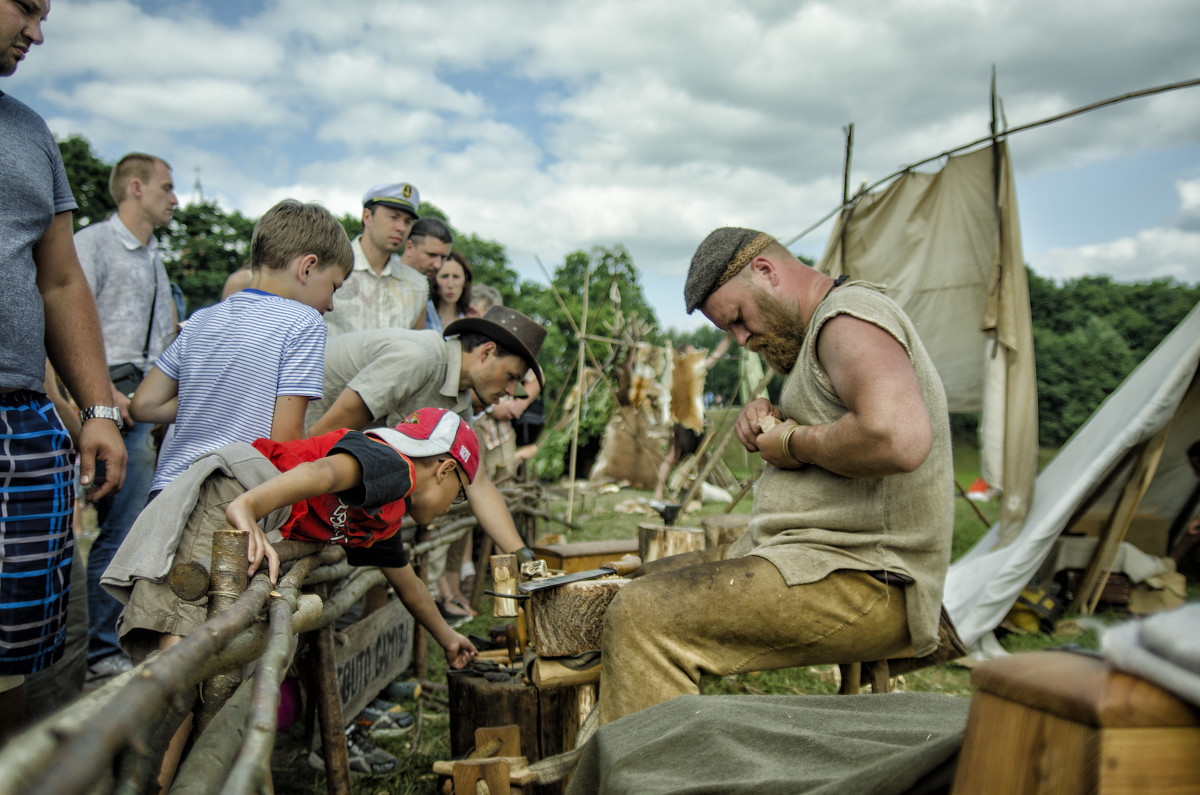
<point x="948" y="247"/>
<point x="982" y="585"/>
<point x="886" y="743"/>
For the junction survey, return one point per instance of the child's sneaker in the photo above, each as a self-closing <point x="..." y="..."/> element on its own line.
<point x="383" y="718"/>
<point x="401" y="691"/>
<point x="362" y="756"/>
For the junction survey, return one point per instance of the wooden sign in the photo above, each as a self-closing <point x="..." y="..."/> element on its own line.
<point x="378" y="649"/>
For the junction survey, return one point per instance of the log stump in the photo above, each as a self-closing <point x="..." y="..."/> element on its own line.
<point x="723" y="528"/>
<point x="569" y="619"/>
<point x="661" y="541"/>
<point x="548" y="719"/>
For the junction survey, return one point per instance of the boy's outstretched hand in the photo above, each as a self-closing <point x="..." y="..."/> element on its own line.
<point x="240" y="516"/>
<point x="459" y="651"/>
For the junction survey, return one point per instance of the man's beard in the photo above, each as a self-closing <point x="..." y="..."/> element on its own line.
<point x="783" y="335"/>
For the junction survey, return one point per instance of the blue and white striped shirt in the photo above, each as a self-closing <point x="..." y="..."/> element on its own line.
<point x="232" y="361"/>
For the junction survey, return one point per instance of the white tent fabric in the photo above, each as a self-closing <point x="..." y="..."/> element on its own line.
<point x="982" y="585"/>
<point x="948" y="247"/>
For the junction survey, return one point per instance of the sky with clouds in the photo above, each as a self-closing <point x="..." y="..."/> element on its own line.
<point x="559" y="125"/>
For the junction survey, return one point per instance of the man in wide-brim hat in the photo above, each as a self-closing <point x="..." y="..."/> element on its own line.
<point x="379" y="377"/>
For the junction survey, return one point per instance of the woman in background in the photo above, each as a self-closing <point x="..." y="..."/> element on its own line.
<point x="449" y="293"/>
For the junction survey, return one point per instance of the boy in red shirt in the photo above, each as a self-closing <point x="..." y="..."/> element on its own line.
<point x="344" y="487"/>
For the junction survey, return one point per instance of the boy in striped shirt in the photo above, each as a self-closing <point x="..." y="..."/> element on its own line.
<point x="246" y="368"/>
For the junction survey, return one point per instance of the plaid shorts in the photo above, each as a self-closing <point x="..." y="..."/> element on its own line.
<point x="37" y="498"/>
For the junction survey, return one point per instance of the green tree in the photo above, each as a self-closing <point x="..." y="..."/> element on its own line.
<point x="88" y="176"/>
<point x="203" y="245"/>
<point x="1076" y="371"/>
<point x="352" y="223"/>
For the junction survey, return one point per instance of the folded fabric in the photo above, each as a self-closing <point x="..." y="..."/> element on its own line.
<point x="1163" y="649"/>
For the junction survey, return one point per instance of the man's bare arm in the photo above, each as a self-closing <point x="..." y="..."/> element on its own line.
<point x="348" y="411"/>
<point x="75" y="347"/>
<point x="492" y="512"/>
<point x="886" y="430"/>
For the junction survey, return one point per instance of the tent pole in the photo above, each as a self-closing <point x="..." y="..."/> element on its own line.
<point x="962" y="493"/>
<point x="1113" y="533"/>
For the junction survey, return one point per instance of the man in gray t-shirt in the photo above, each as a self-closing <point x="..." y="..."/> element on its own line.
<point x="46" y="310"/>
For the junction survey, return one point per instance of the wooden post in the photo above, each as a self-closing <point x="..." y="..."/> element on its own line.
<point x="582" y="396"/>
<point x="723" y="528"/>
<point x="329" y="708"/>
<point x="660" y="541"/>
<point x="229" y="579"/>
<point x="1111" y="536"/>
<point x="504" y="576"/>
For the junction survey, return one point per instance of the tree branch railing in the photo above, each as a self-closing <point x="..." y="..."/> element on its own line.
<point x="126" y="724"/>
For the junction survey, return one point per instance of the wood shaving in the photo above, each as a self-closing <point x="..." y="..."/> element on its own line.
<point x="765" y="424"/>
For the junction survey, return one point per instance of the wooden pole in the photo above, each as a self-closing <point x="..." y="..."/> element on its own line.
<point x="252" y="766"/>
<point x="582" y="394"/>
<point x="690" y="494"/>
<point x="329" y="709"/>
<point x="1113" y="533"/>
<point x="229" y="580"/>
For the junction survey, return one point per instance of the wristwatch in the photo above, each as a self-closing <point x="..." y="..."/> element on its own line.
<point x="101" y="412"/>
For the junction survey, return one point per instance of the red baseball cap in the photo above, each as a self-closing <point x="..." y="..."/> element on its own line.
<point x="428" y="432"/>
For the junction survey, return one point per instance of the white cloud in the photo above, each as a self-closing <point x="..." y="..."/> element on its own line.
<point x="1171" y="251"/>
<point x="556" y="125"/>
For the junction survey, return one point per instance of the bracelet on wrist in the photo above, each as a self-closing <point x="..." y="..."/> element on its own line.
<point x="785" y="448"/>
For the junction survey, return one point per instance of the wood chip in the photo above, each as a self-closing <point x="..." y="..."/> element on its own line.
<point x="766" y="423"/>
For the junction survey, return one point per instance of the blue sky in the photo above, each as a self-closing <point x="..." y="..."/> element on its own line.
<point x="554" y="126"/>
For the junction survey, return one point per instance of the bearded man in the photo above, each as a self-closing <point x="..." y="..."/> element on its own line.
<point x="847" y="549"/>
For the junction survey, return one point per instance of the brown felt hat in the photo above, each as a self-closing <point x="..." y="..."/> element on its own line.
<point x="720" y="257"/>
<point x="509" y="329"/>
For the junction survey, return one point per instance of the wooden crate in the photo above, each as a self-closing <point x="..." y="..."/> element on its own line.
<point x="1056" y="722"/>
<point x="585" y="555"/>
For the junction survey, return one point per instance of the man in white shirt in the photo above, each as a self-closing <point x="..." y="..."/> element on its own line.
<point x="382" y="292"/>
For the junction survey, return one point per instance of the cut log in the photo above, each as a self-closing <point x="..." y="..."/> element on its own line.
<point x="661" y="541"/>
<point x="569" y="619"/>
<point x="723" y="528"/>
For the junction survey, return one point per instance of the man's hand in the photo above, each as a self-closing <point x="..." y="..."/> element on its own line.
<point x="770" y="443"/>
<point x="100" y="440"/>
<point x="240" y="516"/>
<point x="459" y="652"/>
<point x="746" y="426"/>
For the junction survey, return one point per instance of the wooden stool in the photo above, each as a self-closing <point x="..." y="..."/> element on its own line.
<point x="1059" y="722"/>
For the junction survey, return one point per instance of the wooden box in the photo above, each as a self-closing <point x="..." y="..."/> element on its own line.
<point x="1147" y="532"/>
<point x="585" y="555"/>
<point x="1056" y="722"/>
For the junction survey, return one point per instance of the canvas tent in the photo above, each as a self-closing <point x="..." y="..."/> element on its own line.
<point x="948" y="247"/>
<point x="1147" y="422"/>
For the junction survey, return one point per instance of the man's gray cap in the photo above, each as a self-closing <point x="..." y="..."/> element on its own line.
<point x="711" y="263"/>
